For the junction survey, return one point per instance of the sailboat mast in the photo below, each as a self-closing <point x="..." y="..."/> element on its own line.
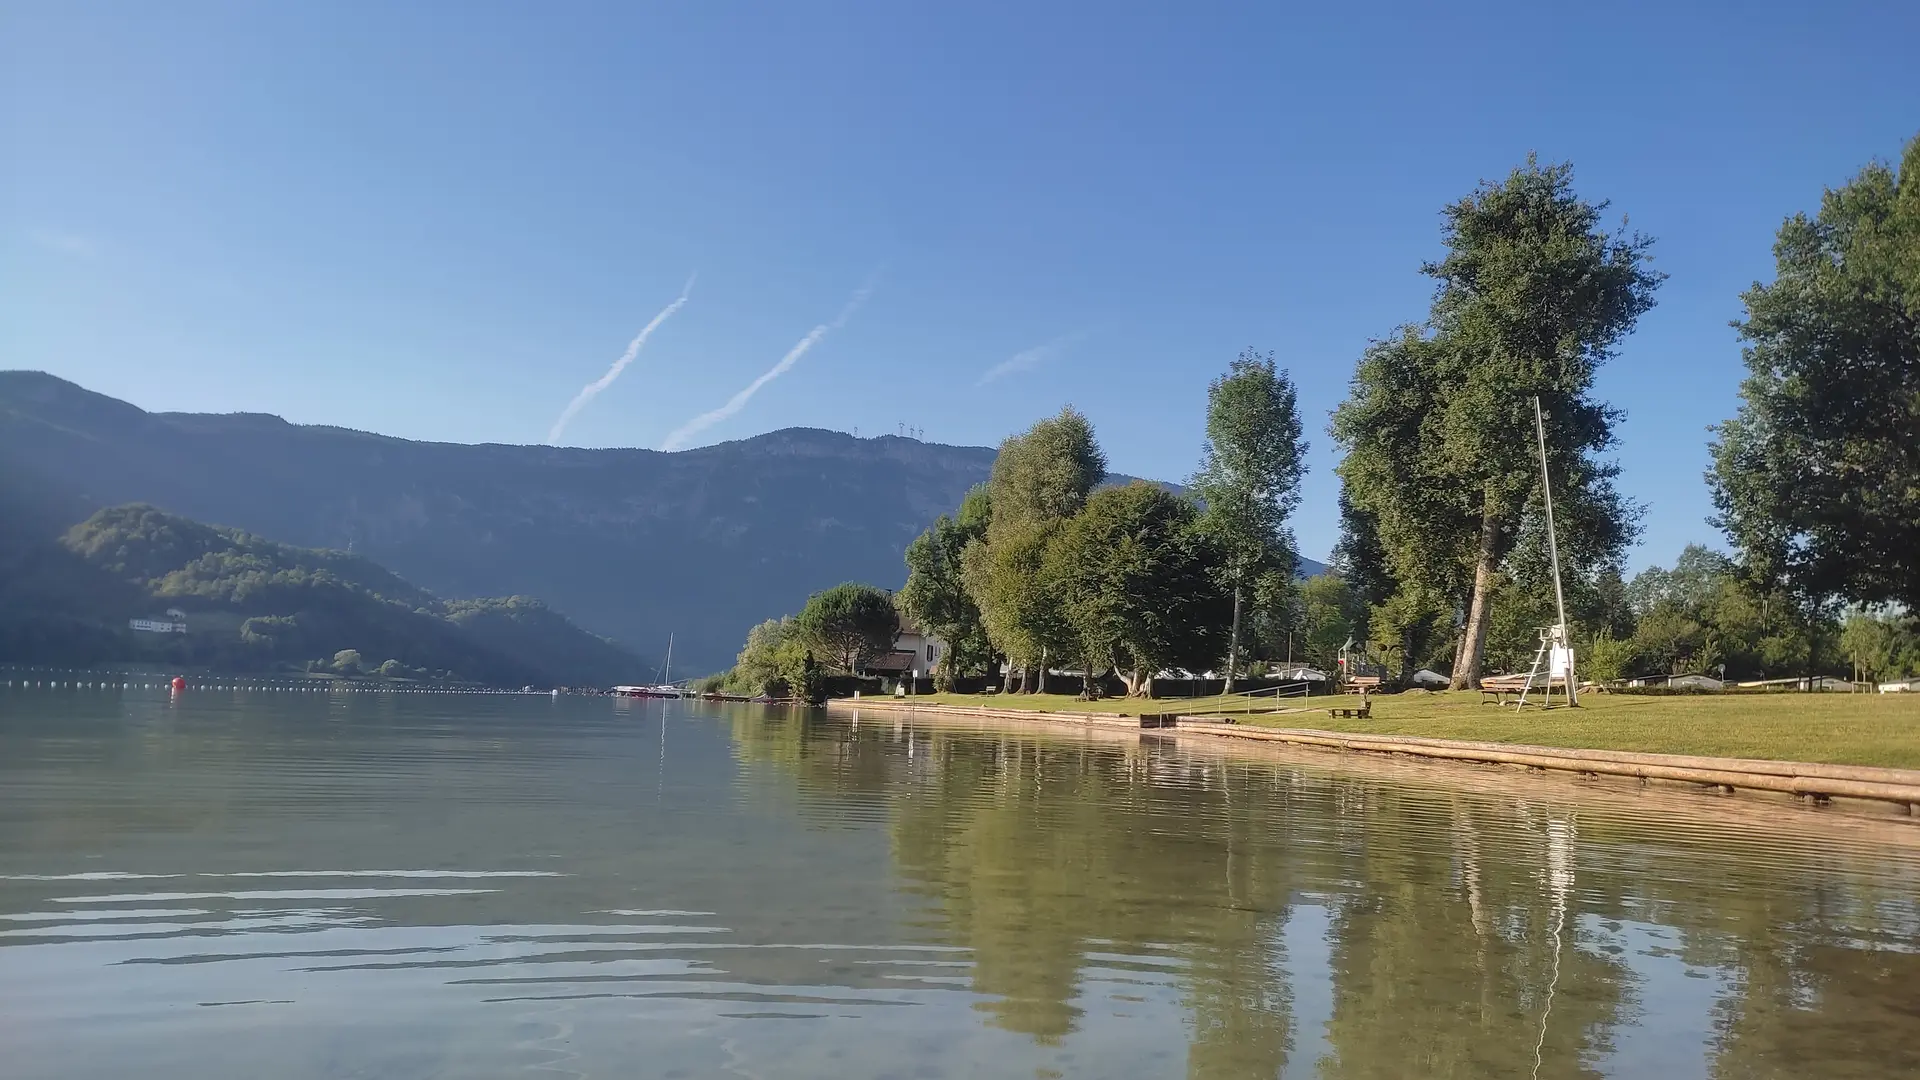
<point x="1546" y="491"/>
<point x="669" y="676"/>
<point x="1553" y="554"/>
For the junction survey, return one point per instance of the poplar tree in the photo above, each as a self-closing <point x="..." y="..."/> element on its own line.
<point x="1249" y="478"/>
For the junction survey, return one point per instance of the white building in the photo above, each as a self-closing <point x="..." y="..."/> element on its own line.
<point x="168" y="625"/>
<point x="925" y="648"/>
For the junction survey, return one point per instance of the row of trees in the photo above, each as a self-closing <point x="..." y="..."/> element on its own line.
<point x="1042" y="566"/>
<point x="1817" y="480"/>
<point x="1705" y="614"/>
<point x="837" y="632"/>
<point x="1442" y="560"/>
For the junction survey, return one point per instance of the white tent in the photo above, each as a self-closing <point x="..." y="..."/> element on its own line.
<point x="1434" y="679"/>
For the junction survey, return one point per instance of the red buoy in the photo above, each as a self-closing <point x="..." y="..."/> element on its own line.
<point x="179" y="683"/>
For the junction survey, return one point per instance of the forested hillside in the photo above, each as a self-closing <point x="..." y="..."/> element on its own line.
<point x="255" y="604"/>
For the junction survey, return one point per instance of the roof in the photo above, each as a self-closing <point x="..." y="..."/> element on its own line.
<point x="892" y="661"/>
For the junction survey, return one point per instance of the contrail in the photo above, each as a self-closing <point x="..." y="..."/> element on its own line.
<point x="633" y="349"/>
<point x="1027" y="358"/>
<point x="738" y="401"/>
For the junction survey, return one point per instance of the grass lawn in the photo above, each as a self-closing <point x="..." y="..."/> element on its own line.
<point x="1851" y="729"/>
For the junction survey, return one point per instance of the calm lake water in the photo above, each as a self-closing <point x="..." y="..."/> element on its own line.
<point x="246" y="884"/>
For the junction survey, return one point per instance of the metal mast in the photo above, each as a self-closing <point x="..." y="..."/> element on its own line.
<point x="1553" y="553"/>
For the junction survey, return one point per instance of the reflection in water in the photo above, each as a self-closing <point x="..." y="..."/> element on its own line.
<point x="225" y="886"/>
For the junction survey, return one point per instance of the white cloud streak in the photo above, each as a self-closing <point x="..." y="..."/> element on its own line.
<point x="639" y="341"/>
<point x="1027" y="358"/>
<point x="734" y="404"/>
<point x="64" y="243"/>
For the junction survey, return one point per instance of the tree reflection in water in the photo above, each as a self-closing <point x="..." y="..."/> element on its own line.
<point x="1472" y="933"/>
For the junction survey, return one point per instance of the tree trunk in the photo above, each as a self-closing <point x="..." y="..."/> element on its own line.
<point x="1406" y="659"/>
<point x="1473" y="648"/>
<point x="1043" y="671"/>
<point x="1233" y="641"/>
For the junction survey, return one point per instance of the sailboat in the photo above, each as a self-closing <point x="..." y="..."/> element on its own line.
<point x="665" y="688"/>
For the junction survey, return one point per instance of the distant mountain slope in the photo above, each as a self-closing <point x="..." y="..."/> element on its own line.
<point x="256" y="604"/>
<point x="634" y="544"/>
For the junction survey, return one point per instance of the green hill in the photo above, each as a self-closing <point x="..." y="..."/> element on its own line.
<point x="253" y="604"/>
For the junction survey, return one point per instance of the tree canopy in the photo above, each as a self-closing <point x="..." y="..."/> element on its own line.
<point x="1532" y="298"/>
<point x="1139" y="584"/>
<point x="849" y="624"/>
<point x="1817" y="479"/>
<point x="1249" y="478"/>
<point x="1040" y="478"/>
<point x="935" y="595"/>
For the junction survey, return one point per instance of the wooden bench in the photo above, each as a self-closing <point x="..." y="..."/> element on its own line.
<point x="1362" y="685"/>
<point x="1350" y="713"/>
<point x="1496" y="689"/>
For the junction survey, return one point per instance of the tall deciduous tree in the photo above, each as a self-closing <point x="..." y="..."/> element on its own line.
<point x="935" y="595"/>
<point x="1040" y="478"/>
<point x="1817" y="480"/>
<point x="1141" y="584"/>
<point x="1249" y="478"/>
<point x="849" y="624"/>
<point x="1533" y="296"/>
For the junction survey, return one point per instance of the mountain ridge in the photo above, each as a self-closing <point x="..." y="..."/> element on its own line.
<point x="631" y="543"/>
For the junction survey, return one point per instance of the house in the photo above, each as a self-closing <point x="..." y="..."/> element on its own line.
<point x="924" y="648"/>
<point x="174" y="623"/>
<point x="1901" y="686"/>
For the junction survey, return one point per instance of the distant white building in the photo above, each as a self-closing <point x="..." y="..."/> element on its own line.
<point x="923" y="647"/>
<point x="170" y="625"/>
<point x="1901" y="686"/>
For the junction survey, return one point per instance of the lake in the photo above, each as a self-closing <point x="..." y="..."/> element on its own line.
<point x="249" y="883"/>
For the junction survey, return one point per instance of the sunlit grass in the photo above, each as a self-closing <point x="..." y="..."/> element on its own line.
<point x="1854" y="729"/>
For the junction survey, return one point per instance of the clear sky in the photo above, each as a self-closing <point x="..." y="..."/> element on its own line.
<point x="442" y="221"/>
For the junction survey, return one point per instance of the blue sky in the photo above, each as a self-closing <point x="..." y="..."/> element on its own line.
<point x="441" y="221"/>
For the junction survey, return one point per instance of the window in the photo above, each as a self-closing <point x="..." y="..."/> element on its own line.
<point x="929" y="651"/>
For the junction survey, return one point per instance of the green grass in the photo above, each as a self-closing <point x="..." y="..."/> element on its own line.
<point x="1851" y="729"/>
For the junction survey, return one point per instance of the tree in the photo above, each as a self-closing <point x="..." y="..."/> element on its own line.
<point x="1040" y="478"/>
<point x="1817" y="479"/>
<point x="1022" y="615"/>
<point x="1046" y="473"/>
<point x="1249" y="478"/>
<point x="347" y="661"/>
<point x="850" y="624"/>
<point x="1330" y="615"/>
<point x="1871" y="643"/>
<point x="1141" y="584"/>
<point x="1532" y="298"/>
<point x="936" y="596"/>
<point x="771" y="660"/>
